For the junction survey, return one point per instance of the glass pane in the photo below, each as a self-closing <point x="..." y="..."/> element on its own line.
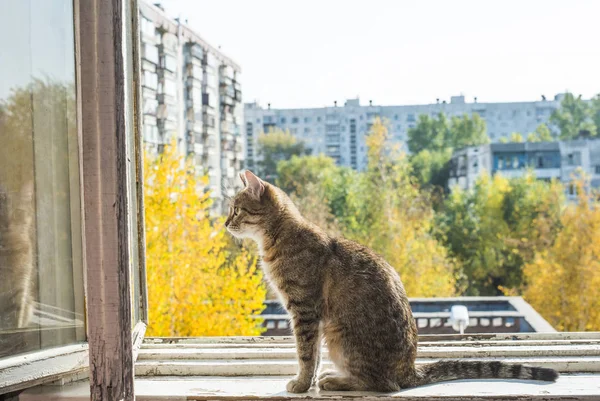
<point x="130" y="110"/>
<point x="41" y="286"/>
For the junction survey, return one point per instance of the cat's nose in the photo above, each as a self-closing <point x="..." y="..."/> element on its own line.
<point x="227" y="222"/>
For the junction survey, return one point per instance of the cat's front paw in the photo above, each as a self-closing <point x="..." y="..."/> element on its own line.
<point x="298" y="386"/>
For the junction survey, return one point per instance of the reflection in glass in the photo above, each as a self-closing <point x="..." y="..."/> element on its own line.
<point x="41" y="277"/>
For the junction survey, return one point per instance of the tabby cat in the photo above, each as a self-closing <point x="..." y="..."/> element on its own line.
<point x="342" y="291"/>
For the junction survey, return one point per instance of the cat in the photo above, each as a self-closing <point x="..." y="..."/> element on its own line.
<point x="342" y="291"/>
<point x="16" y="257"/>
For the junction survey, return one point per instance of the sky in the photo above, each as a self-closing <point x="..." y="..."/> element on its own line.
<point x="309" y="53"/>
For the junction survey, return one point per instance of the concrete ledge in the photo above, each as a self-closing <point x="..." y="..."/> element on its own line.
<point x="571" y="387"/>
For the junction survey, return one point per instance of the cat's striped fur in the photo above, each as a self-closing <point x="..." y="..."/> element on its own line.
<point x="342" y="291"/>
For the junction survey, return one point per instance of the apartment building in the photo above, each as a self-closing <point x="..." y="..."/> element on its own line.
<point x="549" y="160"/>
<point x="339" y="130"/>
<point x="191" y="92"/>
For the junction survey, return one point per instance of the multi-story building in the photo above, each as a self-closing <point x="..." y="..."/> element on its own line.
<point x="548" y="160"/>
<point x="191" y="93"/>
<point x="340" y="132"/>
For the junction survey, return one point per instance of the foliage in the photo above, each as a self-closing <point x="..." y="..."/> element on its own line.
<point x="275" y="146"/>
<point x="196" y="285"/>
<point x="433" y="140"/>
<point x="496" y="227"/>
<point x="382" y="208"/>
<point x="467" y="131"/>
<point x="563" y="282"/>
<point x="432" y="167"/>
<point x="595" y="106"/>
<point x="573" y="118"/>
<point x="543" y="133"/>
<point x="429" y="134"/>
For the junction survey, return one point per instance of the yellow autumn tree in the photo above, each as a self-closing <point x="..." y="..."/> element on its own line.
<point x="401" y="219"/>
<point x="196" y="285"/>
<point x="563" y="282"/>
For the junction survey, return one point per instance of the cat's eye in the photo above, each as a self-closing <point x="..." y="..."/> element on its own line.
<point x="236" y="210"/>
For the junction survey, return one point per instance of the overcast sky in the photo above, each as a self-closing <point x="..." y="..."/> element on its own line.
<point x="309" y="53"/>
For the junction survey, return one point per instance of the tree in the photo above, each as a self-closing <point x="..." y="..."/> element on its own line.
<point x="595" y="111"/>
<point x="429" y="134"/>
<point x="515" y="137"/>
<point x="494" y="228"/>
<point x="563" y="282"/>
<point x="295" y="174"/>
<point x="433" y="140"/>
<point x="573" y="118"/>
<point x="275" y="146"/>
<point x="467" y="131"/>
<point x="543" y="133"/>
<point x="196" y="285"/>
<point x="386" y="210"/>
<point x="432" y="167"/>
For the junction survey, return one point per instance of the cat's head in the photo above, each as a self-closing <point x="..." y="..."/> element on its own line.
<point x="254" y="208"/>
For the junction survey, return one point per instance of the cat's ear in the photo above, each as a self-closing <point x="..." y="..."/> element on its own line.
<point x="243" y="178"/>
<point x="254" y="184"/>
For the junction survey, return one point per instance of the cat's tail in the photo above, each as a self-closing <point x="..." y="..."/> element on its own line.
<point x="459" y="369"/>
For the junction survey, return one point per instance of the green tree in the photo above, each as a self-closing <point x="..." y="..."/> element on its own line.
<point x="543" y="133"/>
<point x="432" y="167"/>
<point x="433" y="140"/>
<point x="595" y="107"/>
<point x="467" y="131"/>
<point x="573" y="118"/>
<point x="386" y="210"/>
<point x="494" y="229"/>
<point x="429" y="134"/>
<point x="275" y="146"/>
<point x="294" y="174"/>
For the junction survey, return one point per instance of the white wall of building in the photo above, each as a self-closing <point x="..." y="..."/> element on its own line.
<point x="318" y="127"/>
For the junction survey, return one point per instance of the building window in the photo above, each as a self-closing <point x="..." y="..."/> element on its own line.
<point x="597" y="169"/>
<point x="318" y="119"/>
<point x="294" y="120"/>
<point x="500" y="162"/>
<point x="306" y="119"/>
<point x="410" y="118"/>
<point x="282" y="120"/>
<point x="169" y="63"/>
<point x="306" y="130"/>
<point x="258" y="120"/>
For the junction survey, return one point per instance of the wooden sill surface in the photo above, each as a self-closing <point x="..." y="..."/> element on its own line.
<point x="569" y="386"/>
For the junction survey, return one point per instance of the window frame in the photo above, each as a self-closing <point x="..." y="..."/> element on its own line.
<point x="106" y="34"/>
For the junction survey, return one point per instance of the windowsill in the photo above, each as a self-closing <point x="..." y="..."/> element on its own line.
<point x="259" y="368"/>
<point x="572" y="387"/>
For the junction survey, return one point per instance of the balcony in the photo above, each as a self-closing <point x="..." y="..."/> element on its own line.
<point x="194" y="126"/>
<point x="208" y="120"/>
<point x="225" y="81"/>
<point x="227" y="100"/>
<point x="195" y="50"/>
<point x="226" y="136"/>
<point x="237" y="95"/>
<point x="163" y="98"/>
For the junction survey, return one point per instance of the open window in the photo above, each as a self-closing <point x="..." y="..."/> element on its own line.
<point x="72" y="238"/>
<point x="72" y="280"/>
